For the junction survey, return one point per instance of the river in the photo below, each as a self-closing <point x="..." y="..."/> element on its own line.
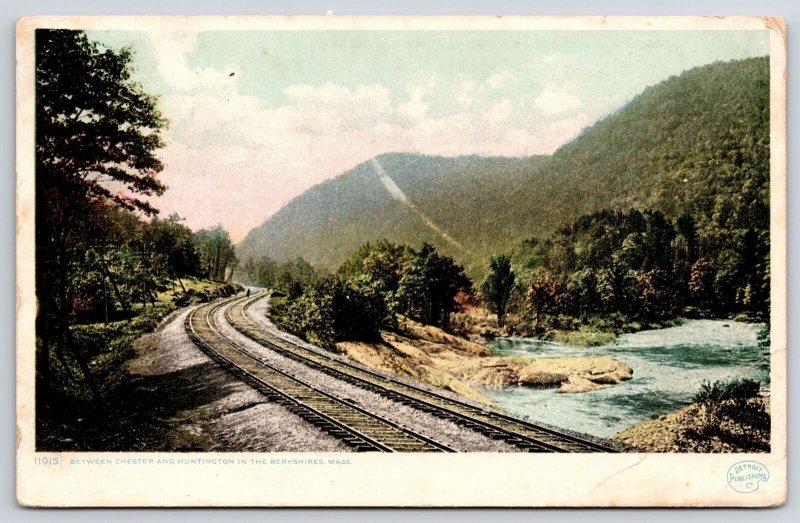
<point x="668" y="365"/>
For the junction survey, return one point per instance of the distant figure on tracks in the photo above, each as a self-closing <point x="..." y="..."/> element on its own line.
<point x="248" y="293"/>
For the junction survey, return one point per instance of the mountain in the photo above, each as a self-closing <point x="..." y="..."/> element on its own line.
<point x="693" y="143"/>
<point x="330" y="220"/>
<point x="696" y="143"/>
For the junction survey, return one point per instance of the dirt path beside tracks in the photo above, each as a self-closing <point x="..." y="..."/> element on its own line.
<point x="177" y="399"/>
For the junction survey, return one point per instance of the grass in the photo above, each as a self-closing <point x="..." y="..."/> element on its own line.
<point x="105" y="346"/>
<point x="605" y="330"/>
<point x="584" y="337"/>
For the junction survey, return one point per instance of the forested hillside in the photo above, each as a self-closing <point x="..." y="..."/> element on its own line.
<point x="694" y="144"/>
<point x="327" y="222"/>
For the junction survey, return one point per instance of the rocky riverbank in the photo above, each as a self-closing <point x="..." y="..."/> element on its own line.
<point x="475" y="323"/>
<point x="465" y="366"/>
<point x="731" y="425"/>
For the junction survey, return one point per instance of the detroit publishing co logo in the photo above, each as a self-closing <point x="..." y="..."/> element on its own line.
<point x="745" y="476"/>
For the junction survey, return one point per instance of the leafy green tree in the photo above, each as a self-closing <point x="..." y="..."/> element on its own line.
<point x="583" y="296"/>
<point x="338" y="310"/>
<point x="216" y="251"/>
<point x="632" y="252"/>
<point x="612" y="284"/>
<point x="498" y="285"/>
<point x="294" y="276"/>
<point x="95" y="129"/>
<point x="385" y="266"/>
<point x="754" y="293"/>
<point x="428" y="288"/>
<point x="687" y="228"/>
<point x="262" y="272"/>
<point x="173" y="243"/>
<point x="383" y="261"/>
<point x="380" y="265"/>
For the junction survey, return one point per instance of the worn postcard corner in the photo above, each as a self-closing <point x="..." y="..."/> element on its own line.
<point x="397" y="261"/>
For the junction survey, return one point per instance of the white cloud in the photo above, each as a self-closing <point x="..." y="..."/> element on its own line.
<point x="501" y="79"/>
<point x="237" y="159"/>
<point x="414" y="109"/>
<point x="376" y="95"/>
<point x="171" y="50"/>
<point x="552" y="102"/>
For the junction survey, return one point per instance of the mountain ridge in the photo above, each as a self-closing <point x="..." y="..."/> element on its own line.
<point x="696" y="142"/>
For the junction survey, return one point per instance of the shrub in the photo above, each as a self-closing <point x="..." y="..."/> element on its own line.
<point x="731" y="418"/>
<point x="725" y="390"/>
<point x="336" y="310"/>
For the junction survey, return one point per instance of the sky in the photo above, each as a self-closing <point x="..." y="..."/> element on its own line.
<point x="258" y="117"/>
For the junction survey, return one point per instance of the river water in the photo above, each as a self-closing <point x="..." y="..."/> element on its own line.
<point x="668" y="365"/>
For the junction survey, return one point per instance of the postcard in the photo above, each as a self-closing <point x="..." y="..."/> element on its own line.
<point x="401" y="261"/>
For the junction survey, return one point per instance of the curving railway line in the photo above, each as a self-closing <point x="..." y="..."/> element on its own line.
<point x="359" y="428"/>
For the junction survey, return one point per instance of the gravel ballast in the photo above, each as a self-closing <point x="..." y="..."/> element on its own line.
<point x="179" y="399"/>
<point x="257" y="312"/>
<point x="447" y="432"/>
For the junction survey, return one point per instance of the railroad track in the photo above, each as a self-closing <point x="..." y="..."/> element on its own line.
<point x="525" y="435"/>
<point x="362" y="430"/>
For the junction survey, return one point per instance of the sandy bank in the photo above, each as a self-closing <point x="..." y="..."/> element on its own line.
<point x="444" y="360"/>
<point x="704" y="427"/>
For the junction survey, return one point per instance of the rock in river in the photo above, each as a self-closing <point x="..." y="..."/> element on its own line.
<point x="575" y="374"/>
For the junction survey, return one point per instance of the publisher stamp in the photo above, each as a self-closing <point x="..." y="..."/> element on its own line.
<point x="745" y="476"/>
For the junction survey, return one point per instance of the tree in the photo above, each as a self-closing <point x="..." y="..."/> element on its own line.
<point x="385" y="265"/>
<point x="95" y="129"/>
<point x="584" y="298"/>
<point x="754" y="294"/>
<point x="173" y="243"/>
<point x="658" y="242"/>
<point x="688" y="230"/>
<point x="656" y="298"/>
<point x="498" y="285"/>
<point x="543" y="297"/>
<point x="428" y="287"/>
<point x="701" y="283"/>
<point x="612" y="281"/>
<point x="382" y="266"/>
<point x="217" y="255"/>
<point x="338" y="310"/>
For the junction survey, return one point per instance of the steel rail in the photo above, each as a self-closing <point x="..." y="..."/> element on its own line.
<point x="352" y="435"/>
<point x="475" y="417"/>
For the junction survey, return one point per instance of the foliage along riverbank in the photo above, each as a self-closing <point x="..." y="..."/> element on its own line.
<point x="478" y="323"/>
<point x="616" y="272"/>
<point x="389" y="295"/>
<point x="436" y="357"/>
